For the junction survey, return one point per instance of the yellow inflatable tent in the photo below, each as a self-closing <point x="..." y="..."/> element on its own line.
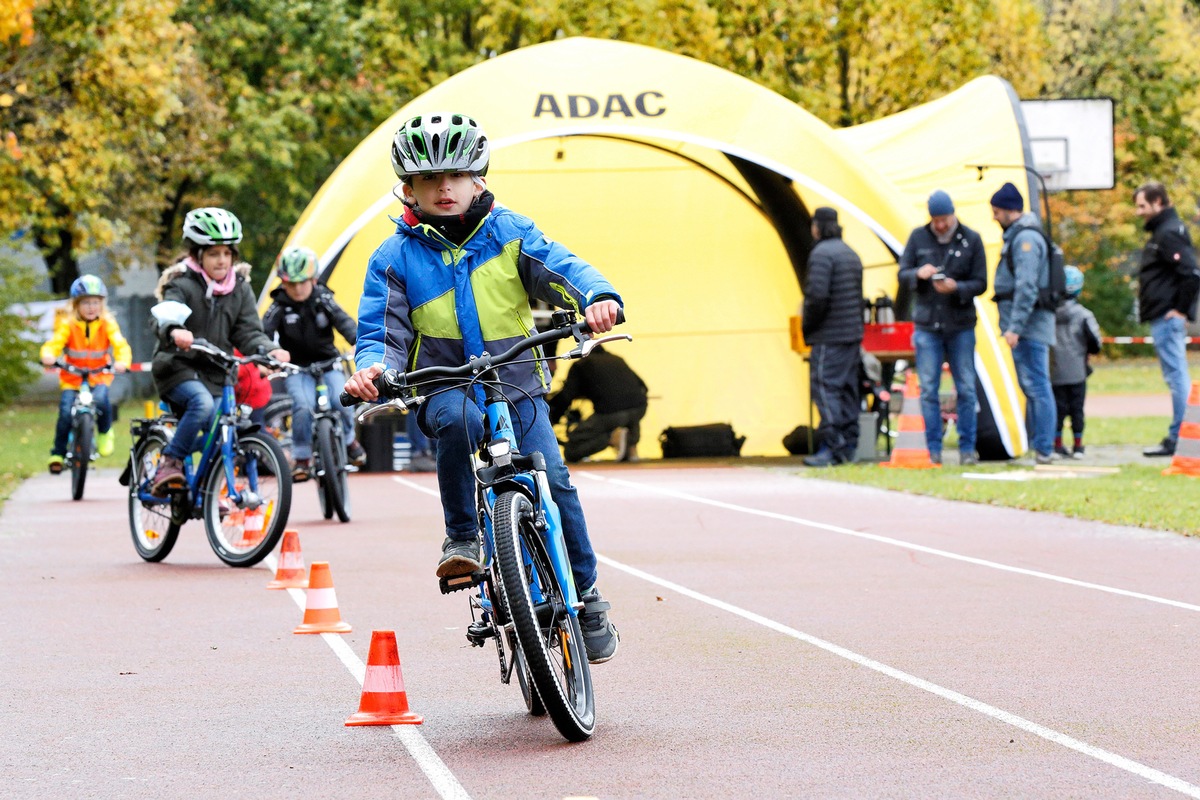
<point x="689" y="188"/>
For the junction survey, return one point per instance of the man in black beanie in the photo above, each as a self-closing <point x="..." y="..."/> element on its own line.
<point x="1028" y="328"/>
<point x="833" y="326"/>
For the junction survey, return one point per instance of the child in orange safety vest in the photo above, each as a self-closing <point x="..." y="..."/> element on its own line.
<point x="88" y="337"/>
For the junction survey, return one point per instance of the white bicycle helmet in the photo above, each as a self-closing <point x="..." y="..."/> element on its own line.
<point x="442" y="142"/>
<point x="205" y="227"/>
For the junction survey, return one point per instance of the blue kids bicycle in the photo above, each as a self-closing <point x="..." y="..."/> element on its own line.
<point x="527" y="600"/>
<point x="242" y="487"/>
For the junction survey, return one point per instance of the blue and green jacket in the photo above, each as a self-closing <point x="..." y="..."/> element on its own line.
<point x="429" y="302"/>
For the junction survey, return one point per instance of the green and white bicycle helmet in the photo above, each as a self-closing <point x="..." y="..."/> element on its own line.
<point x="88" y="286"/>
<point x="442" y="142"/>
<point x="205" y="227"/>
<point x="296" y="264"/>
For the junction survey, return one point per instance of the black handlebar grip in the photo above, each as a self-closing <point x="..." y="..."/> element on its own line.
<point x="347" y="399"/>
<point x="620" y="316"/>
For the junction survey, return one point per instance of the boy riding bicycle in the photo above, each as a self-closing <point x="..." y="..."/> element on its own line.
<point x="302" y="319"/>
<point x="205" y="297"/>
<point x="88" y="337"/>
<point x="453" y="281"/>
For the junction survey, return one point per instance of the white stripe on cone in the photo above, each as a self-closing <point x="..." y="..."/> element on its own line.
<point x="290" y="559"/>
<point x="383" y="679"/>
<point x="320" y="599"/>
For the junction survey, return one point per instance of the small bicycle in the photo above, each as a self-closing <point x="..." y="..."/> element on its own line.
<point x="528" y="602"/>
<point x="241" y="488"/>
<point x="330" y="465"/>
<point x="81" y="450"/>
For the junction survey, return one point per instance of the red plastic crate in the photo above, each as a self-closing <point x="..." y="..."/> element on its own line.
<point x="890" y="338"/>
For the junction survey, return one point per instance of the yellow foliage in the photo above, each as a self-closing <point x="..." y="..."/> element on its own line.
<point x="16" y="19"/>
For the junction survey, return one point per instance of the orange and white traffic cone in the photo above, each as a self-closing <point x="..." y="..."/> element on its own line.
<point x="320" y="606"/>
<point x="290" y="573"/>
<point x="384" y="701"/>
<point x="911" y="450"/>
<point x="1186" y="460"/>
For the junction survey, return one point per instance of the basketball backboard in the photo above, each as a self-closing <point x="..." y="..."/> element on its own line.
<point x="1072" y="141"/>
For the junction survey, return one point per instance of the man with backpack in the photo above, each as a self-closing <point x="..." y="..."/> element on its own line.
<point x="1021" y="280"/>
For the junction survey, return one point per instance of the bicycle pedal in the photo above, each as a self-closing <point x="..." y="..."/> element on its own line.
<point x="456" y="583"/>
<point x="479" y="632"/>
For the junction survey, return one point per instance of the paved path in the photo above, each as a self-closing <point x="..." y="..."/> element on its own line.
<point x="783" y="636"/>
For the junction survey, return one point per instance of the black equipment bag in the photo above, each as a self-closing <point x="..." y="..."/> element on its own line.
<point x="716" y="439"/>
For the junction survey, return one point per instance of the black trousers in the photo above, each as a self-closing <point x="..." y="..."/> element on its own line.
<point x="833" y="382"/>
<point x="1069" y="399"/>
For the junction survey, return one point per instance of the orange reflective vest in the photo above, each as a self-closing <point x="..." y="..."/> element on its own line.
<point x="88" y="345"/>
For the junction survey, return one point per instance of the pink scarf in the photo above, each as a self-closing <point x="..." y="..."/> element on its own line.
<point x="224" y="286"/>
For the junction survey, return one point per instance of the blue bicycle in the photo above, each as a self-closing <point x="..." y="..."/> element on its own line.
<point x="241" y="488"/>
<point x="81" y="450"/>
<point x="527" y="599"/>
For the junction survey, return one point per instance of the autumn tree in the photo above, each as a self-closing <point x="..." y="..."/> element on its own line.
<point x="98" y="96"/>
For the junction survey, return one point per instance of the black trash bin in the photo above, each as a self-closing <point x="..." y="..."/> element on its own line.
<point x="378" y="436"/>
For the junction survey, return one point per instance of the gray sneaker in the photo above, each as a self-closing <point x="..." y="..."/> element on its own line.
<point x="458" y="558"/>
<point x="970" y="459"/>
<point x="600" y="636"/>
<point x="1043" y="459"/>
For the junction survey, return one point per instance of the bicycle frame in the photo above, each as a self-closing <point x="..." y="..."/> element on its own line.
<point x="224" y="425"/>
<point x="530" y="480"/>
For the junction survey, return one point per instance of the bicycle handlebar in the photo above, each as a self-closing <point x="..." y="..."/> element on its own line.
<point x="81" y="371"/>
<point x="217" y="354"/>
<point x="317" y="367"/>
<point x="391" y="383"/>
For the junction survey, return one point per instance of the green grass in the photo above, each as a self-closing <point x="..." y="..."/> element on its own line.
<point x="1137" y="495"/>
<point x="28" y="432"/>
<point x="1133" y="375"/>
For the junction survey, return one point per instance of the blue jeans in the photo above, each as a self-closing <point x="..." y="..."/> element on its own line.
<point x="302" y="388"/>
<point x="443" y="418"/>
<point x="62" y="429"/>
<point x="933" y="350"/>
<point x="1032" y="360"/>
<point x="198" y="407"/>
<point x="1169" y="335"/>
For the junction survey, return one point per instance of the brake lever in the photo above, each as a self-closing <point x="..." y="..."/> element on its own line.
<point x="586" y="347"/>
<point x="396" y="402"/>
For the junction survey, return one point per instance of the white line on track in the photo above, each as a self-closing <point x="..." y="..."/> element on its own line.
<point x="443" y="780"/>
<point x="1134" y="767"/>
<point x="874" y="537"/>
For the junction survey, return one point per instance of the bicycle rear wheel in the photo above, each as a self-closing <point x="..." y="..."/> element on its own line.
<point x="547" y="636"/>
<point x="80" y="453"/>
<point x="332" y="453"/>
<point x="242" y="537"/>
<point x="152" y="525"/>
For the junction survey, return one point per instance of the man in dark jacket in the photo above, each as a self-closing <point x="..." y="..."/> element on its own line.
<point x="944" y="269"/>
<point x="833" y="326"/>
<point x="618" y="398"/>
<point x="1168" y="283"/>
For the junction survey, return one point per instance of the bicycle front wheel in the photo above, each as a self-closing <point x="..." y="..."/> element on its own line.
<point x="242" y="537"/>
<point x="154" y="530"/>
<point x="332" y="470"/>
<point x="81" y="453"/>
<point x="549" y="638"/>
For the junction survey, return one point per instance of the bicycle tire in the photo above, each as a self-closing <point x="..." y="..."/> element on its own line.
<point x="332" y="450"/>
<point x="81" y="452"/>
<point x="554" y="653"/>
<point x="153" y="528"/>
<point x="228" y="534"/>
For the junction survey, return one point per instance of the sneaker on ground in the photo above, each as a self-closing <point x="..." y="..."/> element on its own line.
<point x="1061" y="451"/>
<point x="55" y="464"/>
<point x="1043" y="458"/>
<point x="458" y="558"/>
<point x="600" y="637"/>
<point x="104" y="443"/>
<point x="968" y="459"/>
<point x="355" y="454"/>
<point x="936" y="458"/>
<point x="1165" y="448"/>
<point x="301" y="470"/>
<point x="169" y="475"/>
<point x="1079" y="452"/>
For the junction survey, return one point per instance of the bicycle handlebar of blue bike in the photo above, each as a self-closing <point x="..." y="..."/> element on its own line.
<point x="391" y="383"/>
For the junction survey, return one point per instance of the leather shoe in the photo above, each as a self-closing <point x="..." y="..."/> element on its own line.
<point x="1165" y="448"/>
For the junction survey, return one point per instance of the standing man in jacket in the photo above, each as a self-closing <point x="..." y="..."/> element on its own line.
<point x="833" y="327"/>
<point x="944" y="269"/>
<point x="1168" y="283"/>
<point x="1028" y="328"/>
